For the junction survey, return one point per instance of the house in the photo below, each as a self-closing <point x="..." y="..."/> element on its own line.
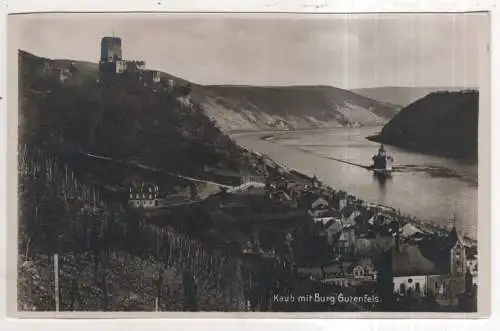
<point x="319" y="203"/>
<point x="350" y="273"/>
<point x="134" y="65"/>
<point x="332" y="228"/>
<point x="156" y="77"/>
<point x="351" y="199"/>
<point x="347" y="210"/>
<point x="362" y="219"/>
<point x="347" y="241"/>
<point x="441" y="274"/>
<point x="364" y="270"/>
<point x="61" y="74"/>
<point x="151" y="76"/>
<point x="410" y="271"/>
<point x="371" y="221"/>
<point x="340" y="200"/>
<point x="120" y="66"/>
<point x="339" y="281"/>
<point x="313" y="273"/>
<point x="409" y="230"/>
<point x="319" y="208"/>
<point x="144" y="195"/>
<point x="351" y="219"/>
<point x="370" y="246"/>
<point x="384" y="219"/>
<point x="471" y="266"/>
<point x="323" y="220"/>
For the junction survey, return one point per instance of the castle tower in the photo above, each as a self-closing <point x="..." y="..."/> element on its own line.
<point x="398" y="241"/>
<point x="111" y="49"/>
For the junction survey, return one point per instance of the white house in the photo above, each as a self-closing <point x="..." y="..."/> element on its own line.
<point x="121" y="66"/>
<point x="364" y="270"/>
<point x="350" y="274"/>
<point x="156" y="77"/>
<point x="144" y="195"/>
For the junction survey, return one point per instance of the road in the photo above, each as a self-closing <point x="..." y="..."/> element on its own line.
<point x="142" y="166"/>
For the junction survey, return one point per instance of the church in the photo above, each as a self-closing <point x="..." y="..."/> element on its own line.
<point x="435" y="267"/>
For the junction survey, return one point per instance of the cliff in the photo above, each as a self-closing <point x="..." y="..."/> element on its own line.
<point x="441" y="123"/>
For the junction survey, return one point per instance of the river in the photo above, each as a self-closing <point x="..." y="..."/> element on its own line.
<point x="428" y="187"/>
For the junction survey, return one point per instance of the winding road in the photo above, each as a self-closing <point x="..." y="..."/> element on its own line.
<point x="142" y="166"/>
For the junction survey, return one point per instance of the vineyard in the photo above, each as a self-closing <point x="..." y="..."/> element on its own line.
<point x="108" y="259"/>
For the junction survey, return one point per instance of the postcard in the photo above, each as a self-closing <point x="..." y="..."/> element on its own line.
<point x="249" y="164"/>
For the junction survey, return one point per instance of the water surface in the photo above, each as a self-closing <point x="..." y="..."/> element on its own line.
<point x="428" y="187"/>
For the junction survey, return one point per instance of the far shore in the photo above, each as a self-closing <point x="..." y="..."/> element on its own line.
<point x="272" y="132"/>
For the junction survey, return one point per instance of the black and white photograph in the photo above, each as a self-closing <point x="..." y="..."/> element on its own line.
<point x="258" y="162"/>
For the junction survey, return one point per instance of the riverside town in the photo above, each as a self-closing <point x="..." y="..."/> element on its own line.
<point x="135" y="196"/>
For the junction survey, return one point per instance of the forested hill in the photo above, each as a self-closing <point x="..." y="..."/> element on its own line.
<point x="125" y="120"/>
<point x="441" y="123"/>
<point x="402" y="95"/>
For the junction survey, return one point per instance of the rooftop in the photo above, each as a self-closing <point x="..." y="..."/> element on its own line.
<point x="409" y="261"/>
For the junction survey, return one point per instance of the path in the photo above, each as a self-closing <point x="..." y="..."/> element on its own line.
<point x="142" y="166"/>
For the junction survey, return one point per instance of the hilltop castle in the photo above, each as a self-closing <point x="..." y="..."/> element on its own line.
<point x="112" y="64"/>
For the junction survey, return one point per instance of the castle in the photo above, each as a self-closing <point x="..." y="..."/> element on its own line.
<point x="112" y="64"/>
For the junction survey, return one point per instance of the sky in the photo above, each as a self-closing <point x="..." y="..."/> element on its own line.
<point x="343" y="50"/>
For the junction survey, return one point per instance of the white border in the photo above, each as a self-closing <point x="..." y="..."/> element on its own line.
<point x="18" y="6"/>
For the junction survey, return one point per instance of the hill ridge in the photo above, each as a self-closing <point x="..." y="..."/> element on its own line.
<point x="249" y="107"/>
<point x="441" y="123"/>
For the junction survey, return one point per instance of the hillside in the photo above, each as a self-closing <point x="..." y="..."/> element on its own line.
<point x="124" y="121"/>
<point x="81" y="144"/>
<point x="400" y="96"/>
<point x="442" y="123"/>
<point x="258" y="108"/>
<point x="294" y="107"/>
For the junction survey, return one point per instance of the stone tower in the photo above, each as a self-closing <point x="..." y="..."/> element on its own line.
<point x="111" y="49"/>
<point x="457" y="254"/>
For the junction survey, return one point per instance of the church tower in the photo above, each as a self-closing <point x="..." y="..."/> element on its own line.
<point x="397" y="239"/>
<point x="457" y="253"/>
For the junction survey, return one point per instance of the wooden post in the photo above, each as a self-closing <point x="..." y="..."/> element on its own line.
<point x="158" y="269"/>
<point x="170" y="238"/>
<point x="27" y="249"/>
<point x="158" y="289"/>
<point x="30" y="288"/>
<point x="104" y="280"/>
<point x="56" y="279"/>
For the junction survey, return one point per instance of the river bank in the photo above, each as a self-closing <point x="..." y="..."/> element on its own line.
<point x="432" y="189"/>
